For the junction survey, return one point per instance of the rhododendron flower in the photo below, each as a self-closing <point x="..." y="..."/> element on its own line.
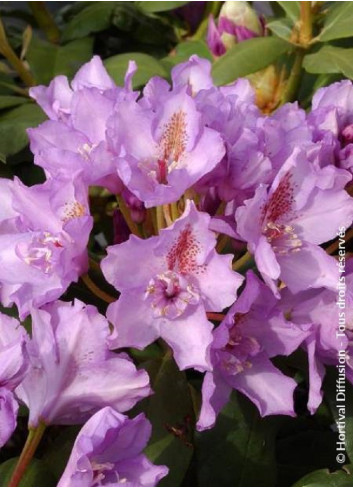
<point x="167" y="284"/>
<point x="253" y="331"/>
<point x="13" y="366"/>
<point x="74" y="138"/>
<point x="45" y="230"/>
<point x="174" y="148"/>
<point x="331" y="119"/>
<point x="72" y="372"/>
<point x="284" y="224"/>
<point x="322" y="309"/>
<point x="108" y="452"/>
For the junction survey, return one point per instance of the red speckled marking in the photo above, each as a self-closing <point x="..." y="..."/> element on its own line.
<point x="183" y="253"/>
<point x="281" y="201"/>
<point x="173" y="141"/>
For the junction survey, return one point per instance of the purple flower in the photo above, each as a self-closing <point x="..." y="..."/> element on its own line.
<point x="253" y="331"/>
<point x="13" y="367"/>
<point x="72" y="371"/>
<point x="74" y="138"/>
<point x="108" y="452"/>
<point x="167" y="284"/>
<point x="331" y="119"/>
<point x="174" y="148"/>
<point x="284" y="224"/>
<point x="237" y="22"/>
<point x="45" y="230"/>
<point x="331" y="330"/>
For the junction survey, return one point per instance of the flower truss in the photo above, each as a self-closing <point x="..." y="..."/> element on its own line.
<point x="218" y="256"/>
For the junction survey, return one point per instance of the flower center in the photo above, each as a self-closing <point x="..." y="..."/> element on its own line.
<point x="41" y="252"/>
<point x="282" y="238"/>
<point x="347" y="135"/>
<point x="104" y="471"/>
<point x="170" y="294"/>
<point x="170" y="151"/>
<point x="237" y="354"/>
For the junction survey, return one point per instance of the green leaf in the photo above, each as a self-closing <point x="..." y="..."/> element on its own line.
<point x="282" y="28"/>
<point x="94" y="18"/>
<point x="47" y="60"/>
<point x="7" y="101"/>
<point x="338" y="22"/>
<point x="325" y="478"/>
<point x="240" y="449"/>
<point x="330" y="59"/>
<point x="147" y="67"/>
<point x="13" y="125"/>
<point x="171" y="413"/>
<point x="248" y="57"/>
<point x="159" y="6"/>
<point x="184" y="50"/>
<point x="36" y="475"/>
<point x="292" y="9"/>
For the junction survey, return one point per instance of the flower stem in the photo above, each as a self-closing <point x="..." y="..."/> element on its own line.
<point x="127" y="216"/>
<point x="213" y="316"/>
<point x="7" y="51"/>
<point x="86" y="279"/>
<point x="167" y="215"/>
<point x="174" y="211"/>
<point x="293" y="81"/>
<point x="306" y="24"/>
<point x="242" y="261"/>
<point x="160" y="218"/>
<point x="45" y="21"/>
<point x="32" y="442"/>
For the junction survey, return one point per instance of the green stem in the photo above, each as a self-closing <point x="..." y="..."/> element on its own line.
<point x="160" y="218"/>
<point x="293" y="81"/>
<point x="7" y="51"/>
<point x="306" y="24"/>
<point x="127" y="216"/>
<point x="242" y="261"/>
<point x="32" y="442"/>
<point x="45" y="21"/>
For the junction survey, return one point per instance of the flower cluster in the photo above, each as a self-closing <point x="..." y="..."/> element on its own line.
<point x="221" y="220"/>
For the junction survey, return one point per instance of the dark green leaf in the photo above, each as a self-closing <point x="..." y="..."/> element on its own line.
<point x="37" y="474"/>
<point x="13" y="125"/>
<point x="239" y="450"/>
<point x="7" y="101"/>
<point x="94" y="18"/>
<point x="159" y="6"/>
<point x="281" y="27"/>
<point x="330" y="59"/>
<point x="47" y="60"/>
<point x="324" y="478"/>
<point x="338" y="23"/>
<point x="58" y="450"/>
<point x="248" y="57"/>
<point x="292" y="9"/>
<point x="170" y="411"/>
<point x="147" y="67"/>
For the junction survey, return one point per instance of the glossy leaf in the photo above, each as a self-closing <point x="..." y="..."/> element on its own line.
<point x="154" y="7"/>
<point x="325" y="478"/>
<point x="282" y="28"/>
<point x="248" y="57"/>
<point x="330" y="59"/>
<point x="240" y="449"/>
<point x="94" y="18"/>
<point x="47" y="60"/>
<point x="292" y="9"/>
<point x="170" y="411"/>
<point x="13" y="125"/>
<point x="338" y="22"/>
<point x="7" y="101"/>
<point x="36" y="475"/>
<point x="147" y="67"/>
